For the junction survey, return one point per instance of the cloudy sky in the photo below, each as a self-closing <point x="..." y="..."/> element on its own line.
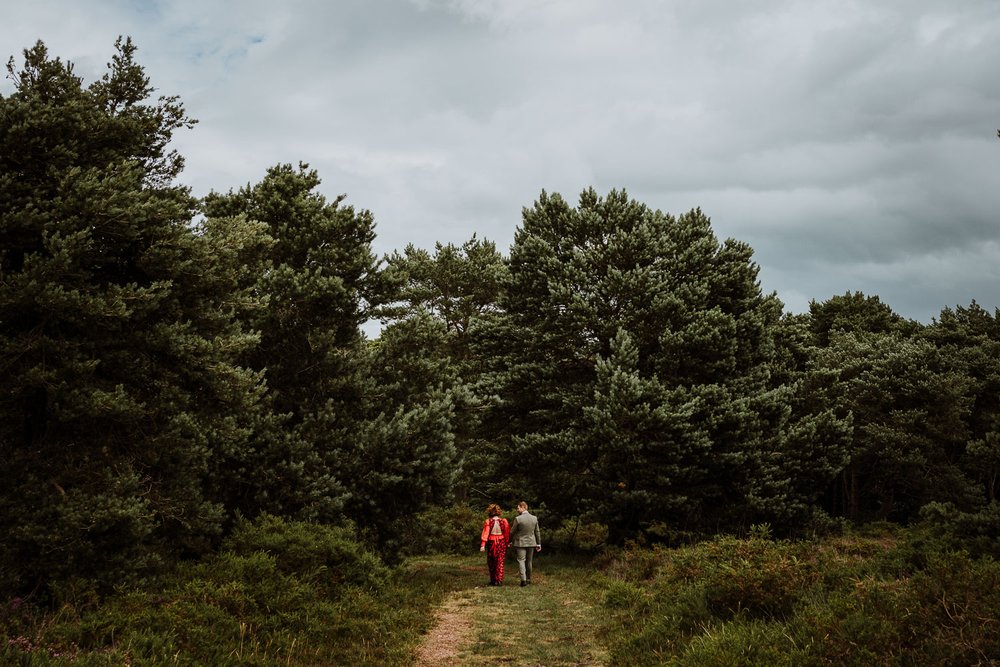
<point x="853" y="145"/>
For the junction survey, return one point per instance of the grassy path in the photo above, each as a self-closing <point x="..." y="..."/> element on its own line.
<point x="550" y="623"/>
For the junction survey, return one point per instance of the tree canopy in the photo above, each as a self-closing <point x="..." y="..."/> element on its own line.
<point x="120" y="378"/>
<point x="646" y="342"/>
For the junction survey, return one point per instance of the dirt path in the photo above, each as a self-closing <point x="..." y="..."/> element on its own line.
<point x="549" y="623"/>
<point x="452" y="631"/>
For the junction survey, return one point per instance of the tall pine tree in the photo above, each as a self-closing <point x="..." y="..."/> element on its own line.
<point x="907" y="402"/>
<point x="119" y="380"/>
<point x="969" y="340"/>
<point x="634" y="368"/>
<point x="407" y="459"/>
<point x="460" y="286"/>
<point x="365" y="429"/>
<point x="316" y="278"/>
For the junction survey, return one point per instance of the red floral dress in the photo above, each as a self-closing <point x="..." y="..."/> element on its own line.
<point x="495" y="537"/>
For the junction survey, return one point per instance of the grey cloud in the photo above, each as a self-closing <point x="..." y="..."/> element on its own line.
<point x="852" y="144"/>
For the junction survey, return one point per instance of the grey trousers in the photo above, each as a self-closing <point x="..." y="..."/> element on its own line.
<point x="524" y="556"/>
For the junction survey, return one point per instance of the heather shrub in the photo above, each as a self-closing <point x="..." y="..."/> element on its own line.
<point x="624" y="595"/>
<point x="755" y="576"/>
<point x="277" y="593"/>
<point x="325" y="556"/>
<point x="633" y="563"/>
<point x="888" y="596"/>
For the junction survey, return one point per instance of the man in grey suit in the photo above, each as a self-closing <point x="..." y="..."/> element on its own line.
<point x="526" y="539"/>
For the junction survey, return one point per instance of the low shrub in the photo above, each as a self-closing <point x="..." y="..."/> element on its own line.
<point x="889" y="596"/>
<point x="278" y="593"/>
<point x="624" y="595"/>
<point x="325" y="556"/>
<point x="758" y="577"/>
<point x="633" y="563"/>
<point x="977" y="532"/>
<point x="577" y="536"/>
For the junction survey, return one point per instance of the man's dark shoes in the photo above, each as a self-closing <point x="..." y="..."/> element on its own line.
<point x="524" y="583"/>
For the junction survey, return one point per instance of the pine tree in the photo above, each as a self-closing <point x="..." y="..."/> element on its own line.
<point x="457" y="284"/>
<point x="909" y="410"/>
<point x="365" y="430"/>
<point x="119" y="379"/>
<point x="853" y="312"/>
<point x="406" y="459"/>
<point x="318" y="279"/>
<point x="969" y="341"/>
<point x="460" y="286"/>
<point x="634" y="361"/>
<point x="813" y="443"/>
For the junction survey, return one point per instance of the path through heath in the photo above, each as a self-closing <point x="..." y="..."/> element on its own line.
<point x="549" y="623"/>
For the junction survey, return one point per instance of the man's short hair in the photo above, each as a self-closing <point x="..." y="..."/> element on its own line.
<point x="523" y="504"/>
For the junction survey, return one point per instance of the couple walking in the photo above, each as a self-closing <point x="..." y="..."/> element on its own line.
<point x="498" y="534"/>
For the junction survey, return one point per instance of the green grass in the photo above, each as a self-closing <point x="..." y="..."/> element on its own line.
<point x="552" y="622"/>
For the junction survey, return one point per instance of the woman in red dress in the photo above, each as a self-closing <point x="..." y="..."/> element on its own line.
<point x="494" y="541"/>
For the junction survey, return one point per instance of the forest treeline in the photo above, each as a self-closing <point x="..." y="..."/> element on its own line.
<point x="171" y="366"/>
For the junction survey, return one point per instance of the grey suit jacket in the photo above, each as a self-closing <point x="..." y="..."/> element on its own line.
<point x="524" y="531"/>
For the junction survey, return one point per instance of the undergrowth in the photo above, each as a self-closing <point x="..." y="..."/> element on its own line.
<point x="286" y="593"/>
<point x="889" y="598"/>
<point x="277" y="593"/>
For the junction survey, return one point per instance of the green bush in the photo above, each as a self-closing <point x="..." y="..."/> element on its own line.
<point x="977" y="532"/>
<point x="623" y="595"/>
<point x="575" y="535"/>
<point x="755" y="576"/>
<point x="448" y="530"/>
<point x="278" y="593"/>
<point x="325" y="556"/>
<point x="887" y="596"/>
<point x="633" y="563"/>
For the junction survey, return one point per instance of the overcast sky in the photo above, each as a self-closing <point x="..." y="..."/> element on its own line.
<point x="853" y="145"/>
